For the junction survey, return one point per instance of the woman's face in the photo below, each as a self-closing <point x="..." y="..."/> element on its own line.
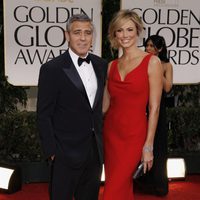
<point x="126" y="35"/>
<point x="150" y="48"/>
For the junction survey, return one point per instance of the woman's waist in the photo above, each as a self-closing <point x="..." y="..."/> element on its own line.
<point x="139" y="109"/>
<point x="126" y="116"/>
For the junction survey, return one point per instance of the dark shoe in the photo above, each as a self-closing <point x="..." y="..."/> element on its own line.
<point x="150" y="189"/>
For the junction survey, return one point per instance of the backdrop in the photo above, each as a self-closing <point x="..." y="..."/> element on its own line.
<point x="179" y="22"/>
<point x="34" y="34"/>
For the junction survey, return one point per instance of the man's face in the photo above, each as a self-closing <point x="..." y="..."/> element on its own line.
<point x="80" y="37"/>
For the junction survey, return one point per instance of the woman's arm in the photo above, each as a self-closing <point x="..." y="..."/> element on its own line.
<point x="155" y="74"/>
<point x="106" y="95"/>
<point x="168" y="76"/>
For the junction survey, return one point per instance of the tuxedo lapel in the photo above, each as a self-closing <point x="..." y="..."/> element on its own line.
<point x="72" y="74"/>
<point x="99" y="80"/>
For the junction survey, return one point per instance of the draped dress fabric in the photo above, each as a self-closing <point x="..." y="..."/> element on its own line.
<point x="125" y="129"/>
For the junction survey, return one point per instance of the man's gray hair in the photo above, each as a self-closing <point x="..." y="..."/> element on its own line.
<point x="80" y="18"/>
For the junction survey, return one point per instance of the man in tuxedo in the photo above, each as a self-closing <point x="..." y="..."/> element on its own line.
<point x="69" y="114"/>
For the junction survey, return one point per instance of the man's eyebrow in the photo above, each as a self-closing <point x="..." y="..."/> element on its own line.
<point x="77" y="30"/>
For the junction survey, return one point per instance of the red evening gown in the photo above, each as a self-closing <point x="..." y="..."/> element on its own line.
<point x="125" y="129"/>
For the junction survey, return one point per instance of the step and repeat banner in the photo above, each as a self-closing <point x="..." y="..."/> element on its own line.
<point x="34" y="34"/>
<point x="178" y="21"/>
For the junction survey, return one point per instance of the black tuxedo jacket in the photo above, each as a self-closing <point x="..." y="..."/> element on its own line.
<point x="65" y="118"/>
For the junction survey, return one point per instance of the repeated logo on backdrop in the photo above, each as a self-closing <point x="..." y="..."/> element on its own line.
<point x="35" y="33"/>
<point x="179" y="22"/>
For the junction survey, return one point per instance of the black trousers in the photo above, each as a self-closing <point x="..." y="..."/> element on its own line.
<point x="80" y="184"/>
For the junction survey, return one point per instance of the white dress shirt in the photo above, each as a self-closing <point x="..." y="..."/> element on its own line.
<point x="87" y="75"/>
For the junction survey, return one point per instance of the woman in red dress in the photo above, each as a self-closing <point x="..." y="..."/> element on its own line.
<point x="134" y="81"/>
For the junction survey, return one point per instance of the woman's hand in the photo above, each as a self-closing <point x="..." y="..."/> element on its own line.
<point x="147" y="158"/>
<point x="52" y="157"/>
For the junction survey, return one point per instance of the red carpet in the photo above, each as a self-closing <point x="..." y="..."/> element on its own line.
<point x="178" y="190"/>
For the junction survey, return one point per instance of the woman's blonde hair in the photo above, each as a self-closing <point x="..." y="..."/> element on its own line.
<point x="118" y="20"/>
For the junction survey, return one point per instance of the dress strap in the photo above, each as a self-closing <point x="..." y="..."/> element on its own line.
<point x="112" y="68"/>
<point x="145" y="61"/>
<point x="147" y="58"/>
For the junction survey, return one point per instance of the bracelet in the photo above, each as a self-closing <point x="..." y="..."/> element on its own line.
<point x="147" y="148"/>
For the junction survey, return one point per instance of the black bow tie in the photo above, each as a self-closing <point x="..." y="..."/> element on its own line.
<point x="81" y="60"/>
